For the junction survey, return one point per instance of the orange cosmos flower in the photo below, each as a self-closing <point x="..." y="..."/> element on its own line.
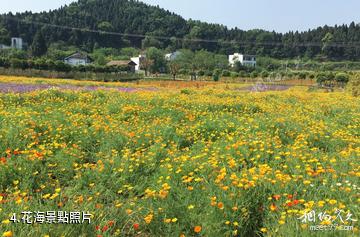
<point x="273" y="207"/>
<point x="197" y="229"/>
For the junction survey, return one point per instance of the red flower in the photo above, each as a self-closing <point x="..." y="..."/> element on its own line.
<point x="111" y="223"/>
<point x="105" y="228"/>
<point x="296" y="202"/>
<point x="276" y="197"/>
<point x="97" y="227"/>
<point x="136" y="226"/>
<point x="290" y="196"/>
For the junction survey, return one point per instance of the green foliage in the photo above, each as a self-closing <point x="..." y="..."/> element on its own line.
<point x="254" y="74"/>
<point x="264" y="74"/>
<point x="354" y="86"/>
<point x="135" y="17"/>
<point x="342" y="78"/>
<point x="38" y="46"/>
<point x="226" y="73"/>
<point x="157" y="56"/>
<point x="216" y="75"/>
<point x="105" y="26"/>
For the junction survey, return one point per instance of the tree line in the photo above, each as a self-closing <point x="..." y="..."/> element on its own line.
<point x="162" y="29"/>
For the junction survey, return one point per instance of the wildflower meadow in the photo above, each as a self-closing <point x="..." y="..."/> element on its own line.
<point x="149" y="160"/>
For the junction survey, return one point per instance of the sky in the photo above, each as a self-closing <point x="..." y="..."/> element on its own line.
<point x="278" y="15"/>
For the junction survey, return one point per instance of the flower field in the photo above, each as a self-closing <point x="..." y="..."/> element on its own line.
<point x="202" y="161"/>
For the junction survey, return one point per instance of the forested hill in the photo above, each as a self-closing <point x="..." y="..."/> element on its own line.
<point x="137" y="18"/>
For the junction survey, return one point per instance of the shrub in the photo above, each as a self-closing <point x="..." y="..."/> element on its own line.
<point x="254" y="74"/>
<point x="183" y="71"/>
<point x="342" y="78"/>
<point x="234" y="74"/>
<point x="302" y="75"/>
<point x="208" y="73"/>
<point x="355" y="86"/>
<point x="201" y="73"/>
<point x="264" y="74"/>
<point x="226" y="73"/>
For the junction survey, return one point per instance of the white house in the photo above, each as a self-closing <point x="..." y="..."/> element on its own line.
<point x="139" y="62"/>
<point x="245" y="60"/>
<point x="172" y="56"/>
<point x="17" y="43"/>
<point x="77" y="59"/>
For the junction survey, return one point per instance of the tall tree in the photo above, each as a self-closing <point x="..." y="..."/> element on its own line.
<point x="38" y="46"/>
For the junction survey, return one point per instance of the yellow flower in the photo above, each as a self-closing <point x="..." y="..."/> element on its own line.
<point x="264" y="230"/>
<point x="5" y="222"/>
<point x="8" y="234"/>
<point x="191" y="207"/>
<point x="148" y="218"/>
<point x="46" y="196"/>
<point x="332" y="202"/>
<point x="174" y="220"/>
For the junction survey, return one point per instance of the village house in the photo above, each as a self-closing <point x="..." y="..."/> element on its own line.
<point x="77" y="59"/>
<point x="245" y="60"/>
<point x="131" y="64"/>
<point x="139" y="62"/>
<point x="16" y="43"/>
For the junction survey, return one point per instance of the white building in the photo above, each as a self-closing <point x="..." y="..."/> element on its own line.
<point x="172" y="56"/>
<point x="245" y="60"/>
<point x="17" y="43"/>
<point x="139" y="62"/>
<point x="77" y="59"/>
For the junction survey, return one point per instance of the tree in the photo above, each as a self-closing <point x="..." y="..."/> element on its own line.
<point x="105" y="26"/>
<point x="327" y="48"/>
<point x="146" y="65"/>
<point x="158" y="59"/>
<point x="38" y="46"/>
<point x="174" y="69"/>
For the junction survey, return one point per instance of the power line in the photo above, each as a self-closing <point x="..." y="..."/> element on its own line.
<point x="197" y="40"/>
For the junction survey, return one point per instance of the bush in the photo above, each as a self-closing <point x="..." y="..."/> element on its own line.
<point x="201" y="73"/>
<point x="226" y="73"/>
<point x="254" y="74"/>
<point x="216" y="77"/>
<point x="355" y="86"/>
<point x="234" y="74"/>
<point x="183" y="71"/>
<point x="342" y="78"/>
<point x="264" y="74"/>
<point x="208" y="73"/>
<point x="302" y="75"/>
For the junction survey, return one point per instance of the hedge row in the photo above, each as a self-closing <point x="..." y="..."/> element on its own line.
<point x="59" y="66"/>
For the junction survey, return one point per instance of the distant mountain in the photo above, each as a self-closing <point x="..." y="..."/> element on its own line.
<point x="165" y="29"/>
